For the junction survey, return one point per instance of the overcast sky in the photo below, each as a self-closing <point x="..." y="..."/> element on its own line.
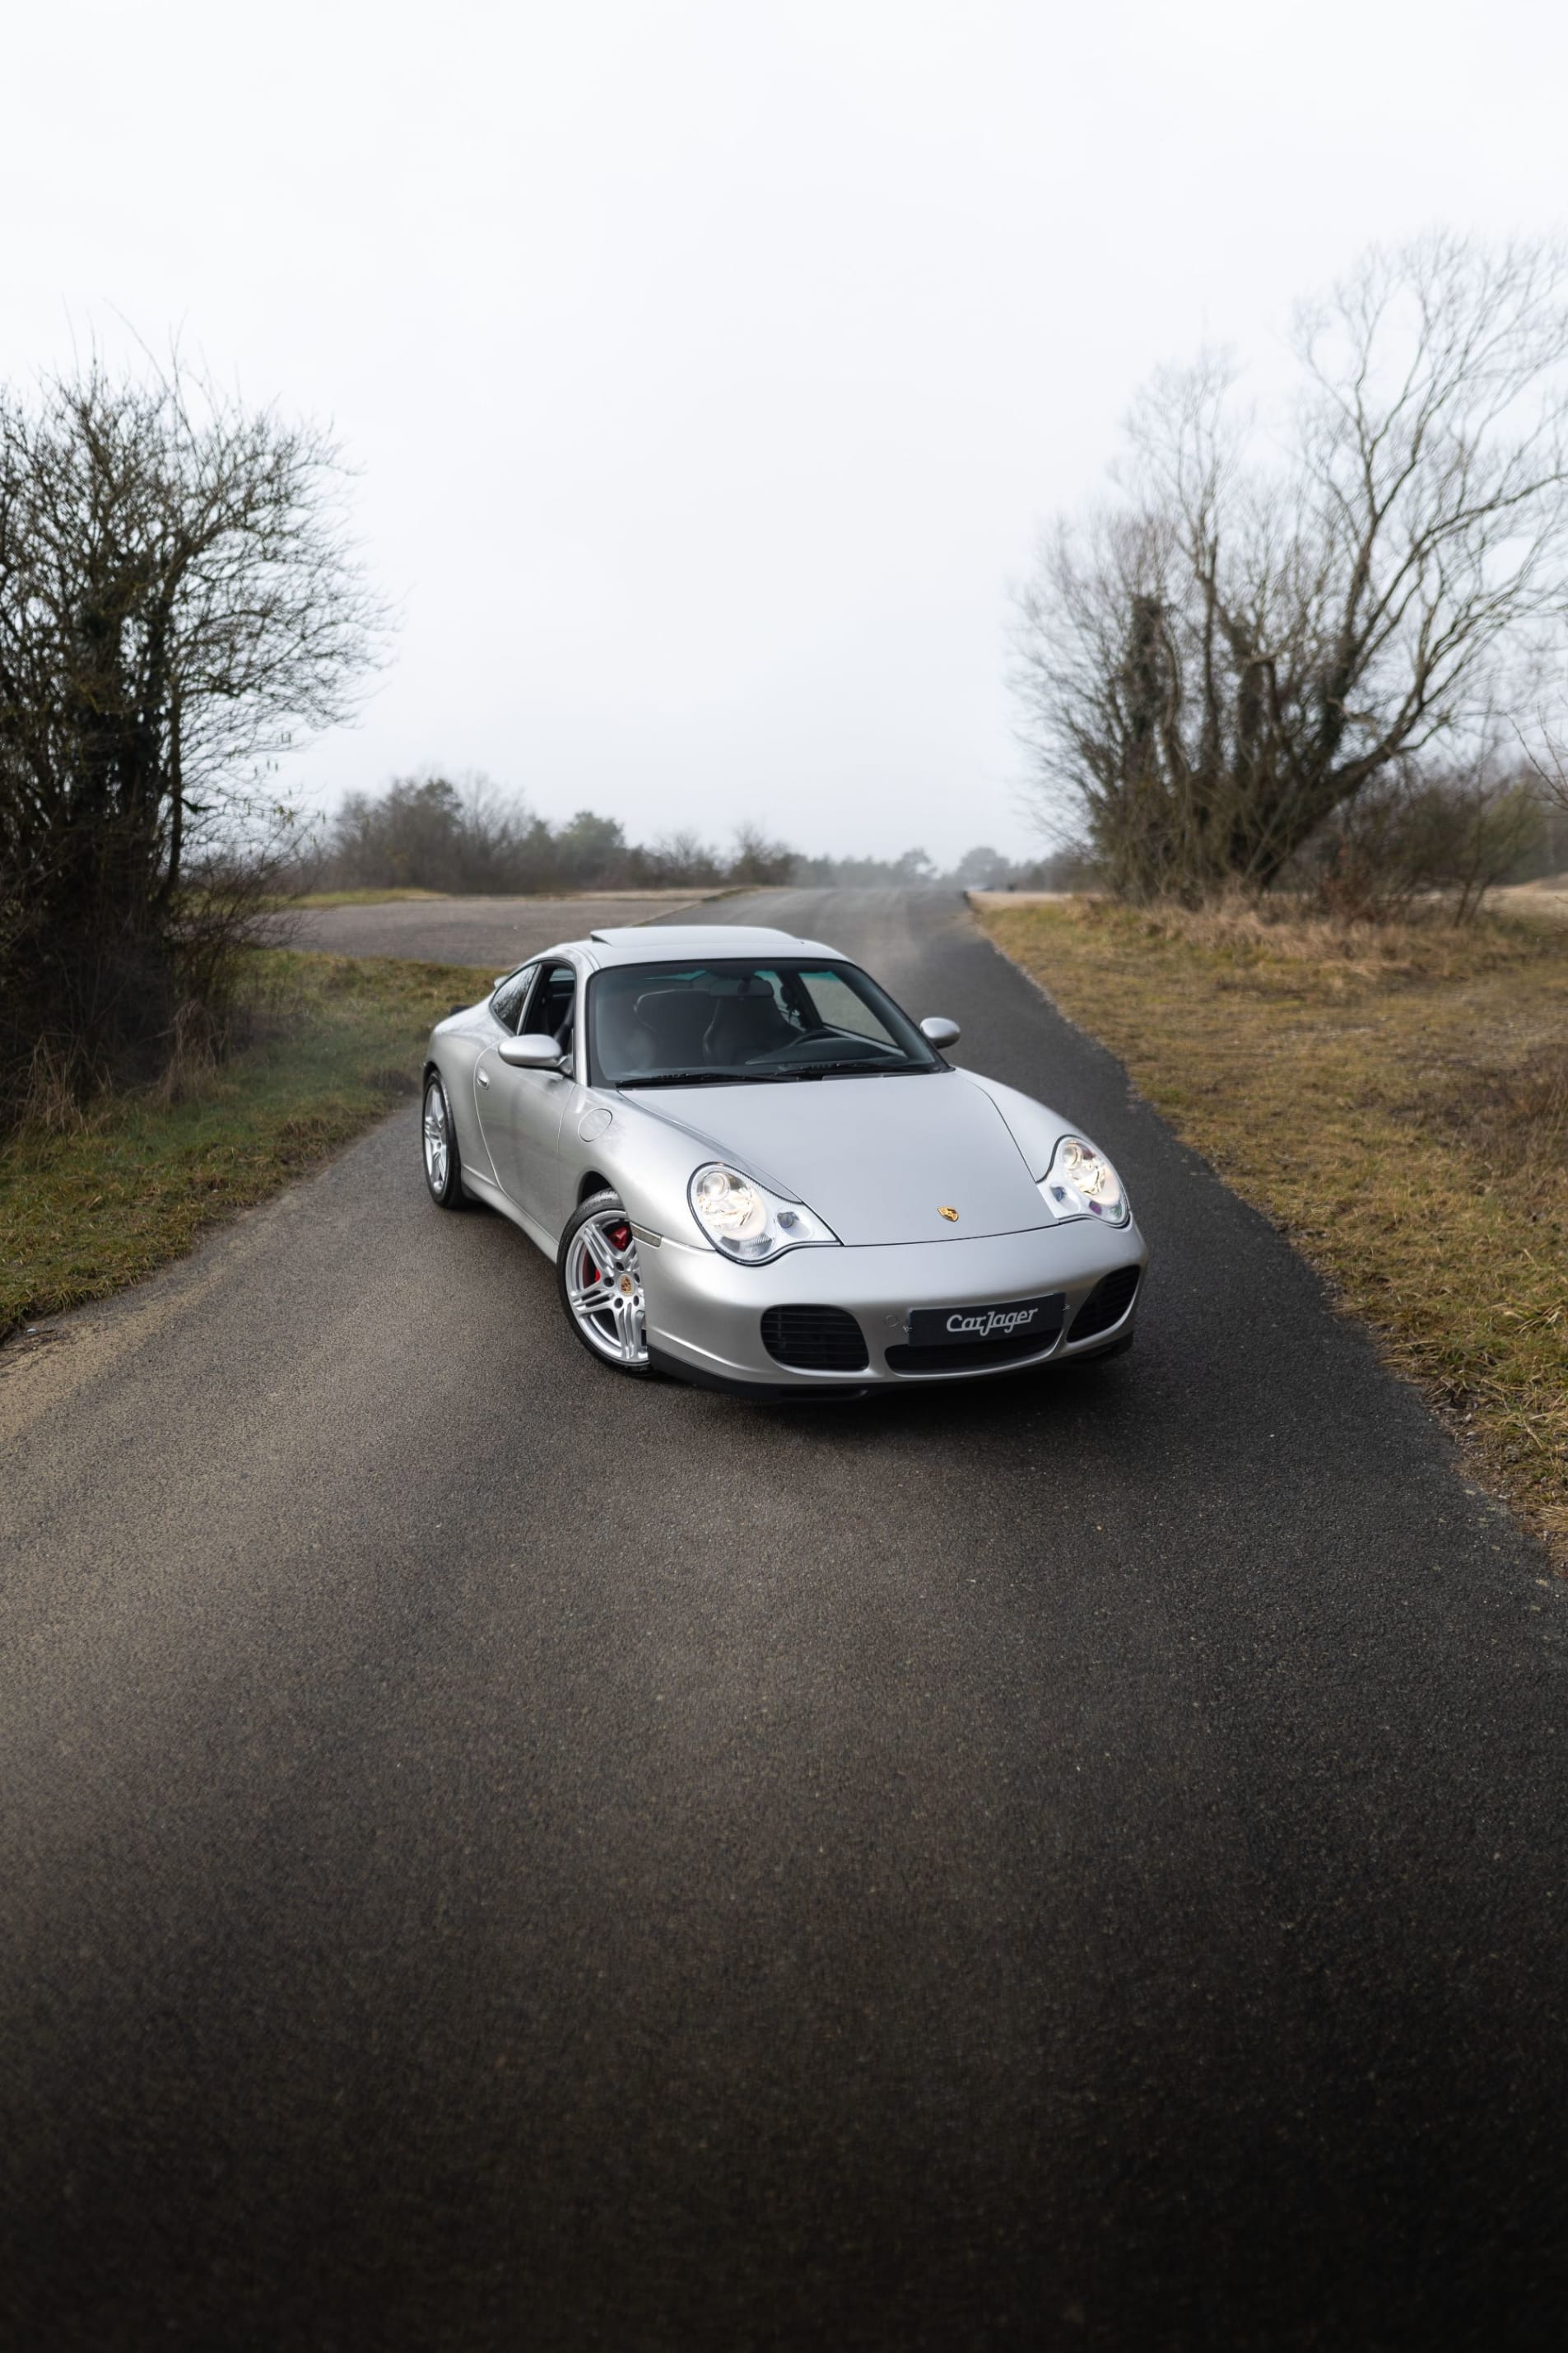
<point x="712" y="367"/>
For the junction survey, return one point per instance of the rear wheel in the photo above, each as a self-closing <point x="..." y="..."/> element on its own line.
<point x="601" y="1284"/>
<point x="443" y="1169"/>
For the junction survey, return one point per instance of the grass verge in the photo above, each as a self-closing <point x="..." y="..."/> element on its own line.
<point x="1397" y="1101"/>
<point x="335" y="1041"/>
<point x="369" y="898"/>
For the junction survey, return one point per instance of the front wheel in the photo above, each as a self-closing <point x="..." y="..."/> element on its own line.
<point x="601" y="1284"/>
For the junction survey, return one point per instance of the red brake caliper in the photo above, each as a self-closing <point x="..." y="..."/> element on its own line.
<point x="621" y="1234"/>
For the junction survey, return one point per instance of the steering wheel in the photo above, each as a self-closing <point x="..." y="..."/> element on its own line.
<point x="824" y="1030"/>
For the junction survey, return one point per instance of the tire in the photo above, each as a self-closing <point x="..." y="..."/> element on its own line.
<point x="600" y="1285"/>
<point x="438" y="1147"/>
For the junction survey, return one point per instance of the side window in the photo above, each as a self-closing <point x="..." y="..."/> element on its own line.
<point x="508" y="1001"/>
<point x="551" y="1009"/>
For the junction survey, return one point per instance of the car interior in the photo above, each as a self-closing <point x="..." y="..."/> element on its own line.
<point x="552" y="1005"/>
<point x="723" y="1021"/>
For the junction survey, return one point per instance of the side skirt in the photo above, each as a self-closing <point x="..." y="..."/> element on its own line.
<point x="481" y="1189"/>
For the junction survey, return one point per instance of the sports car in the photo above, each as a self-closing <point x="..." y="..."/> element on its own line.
<point x="754" y="1171"/>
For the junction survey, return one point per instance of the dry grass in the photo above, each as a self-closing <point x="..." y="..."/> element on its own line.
<point x="368" y="898"/>
<point x="1397" y="1099"/>
<point x="94" y="1202"/>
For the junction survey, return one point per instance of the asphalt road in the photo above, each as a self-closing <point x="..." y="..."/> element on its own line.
<point x="495" y="1857"/>
<point x="500" y="931"/>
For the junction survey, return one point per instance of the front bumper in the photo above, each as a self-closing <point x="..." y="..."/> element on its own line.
<point x="705" y="1313"/>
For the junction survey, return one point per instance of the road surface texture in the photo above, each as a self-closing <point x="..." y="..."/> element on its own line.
<point x="495" y="1856"/>
<point x="501" y="932"/>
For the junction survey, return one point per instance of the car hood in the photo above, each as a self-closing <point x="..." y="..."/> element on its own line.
<point x="877" y="1158"/>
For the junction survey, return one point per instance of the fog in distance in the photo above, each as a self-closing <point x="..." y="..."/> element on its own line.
<point x="711" y="369"/>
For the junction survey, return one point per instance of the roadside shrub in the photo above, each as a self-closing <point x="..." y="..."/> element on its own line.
<point x="1450" y="836"/>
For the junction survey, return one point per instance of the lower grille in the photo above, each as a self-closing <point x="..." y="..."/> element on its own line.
<point x="814" y="1339"/>
<point x="964" y="1355"/>
<point x="1107" y="1304"/>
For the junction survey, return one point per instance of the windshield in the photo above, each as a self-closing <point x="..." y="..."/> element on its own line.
<point x="696" y="1024"/>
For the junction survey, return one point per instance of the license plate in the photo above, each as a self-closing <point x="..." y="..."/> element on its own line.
<point x="1018" y="1319"/>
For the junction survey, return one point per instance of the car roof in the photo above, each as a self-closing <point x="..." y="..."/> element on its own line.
<point x="692" y="943"/>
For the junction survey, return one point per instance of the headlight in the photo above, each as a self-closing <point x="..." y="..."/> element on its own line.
<point x="745" y="1221"/>
<point x="1082" y="1183"/>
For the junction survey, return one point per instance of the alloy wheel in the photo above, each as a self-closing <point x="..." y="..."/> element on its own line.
<point x="604" y="1287"/>
<point x="438" y="1139"/>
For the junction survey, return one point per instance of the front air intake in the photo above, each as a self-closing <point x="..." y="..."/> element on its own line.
<point x="971" y="1355"/>
<point x="814" y="1339"/>
<point x="1107" y="1304"/>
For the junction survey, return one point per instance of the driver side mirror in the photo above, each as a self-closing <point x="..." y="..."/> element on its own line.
<point x="534" y="1052"/>
<point x="940" y="1030"/>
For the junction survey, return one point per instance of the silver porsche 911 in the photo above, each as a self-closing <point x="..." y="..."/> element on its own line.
<point x="754" y="1171"/>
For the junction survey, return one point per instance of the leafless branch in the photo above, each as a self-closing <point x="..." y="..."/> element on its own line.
<point x="1219" y="658"/>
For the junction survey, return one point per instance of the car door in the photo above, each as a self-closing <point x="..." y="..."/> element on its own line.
<point x="521" y="1112"/>
<point x="502" y="1013"/>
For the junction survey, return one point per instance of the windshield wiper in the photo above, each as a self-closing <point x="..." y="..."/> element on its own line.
<point x="847" y="1071"/>
<point x="685" y="1079"/>
<point x="753" y="1077"/>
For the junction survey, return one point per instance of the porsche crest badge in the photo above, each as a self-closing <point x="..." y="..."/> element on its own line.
<point x="950" y="1215"/>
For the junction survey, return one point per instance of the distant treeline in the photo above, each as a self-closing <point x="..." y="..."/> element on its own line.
<point x="434" y="833"/>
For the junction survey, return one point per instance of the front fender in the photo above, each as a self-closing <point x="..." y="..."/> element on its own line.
<point x="1033" y="1127"/>
<point x="453" y="1049"/>
<point x="646" y="1160"/>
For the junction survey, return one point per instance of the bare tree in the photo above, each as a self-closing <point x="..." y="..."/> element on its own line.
<point x="179" y="602"/>
<point x="1214" y="661"/>
<point x="1545" y="749"/>
<point x="437" y="833"/>
<point x="758" y="861"/>
<point x="678" y="858"/>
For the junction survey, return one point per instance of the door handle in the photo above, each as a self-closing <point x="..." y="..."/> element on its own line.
<point x="484" y="1077"/>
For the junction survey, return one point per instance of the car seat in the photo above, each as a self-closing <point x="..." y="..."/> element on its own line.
<point x="677" y="1020"/>
<point x="748" y="1025"/>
